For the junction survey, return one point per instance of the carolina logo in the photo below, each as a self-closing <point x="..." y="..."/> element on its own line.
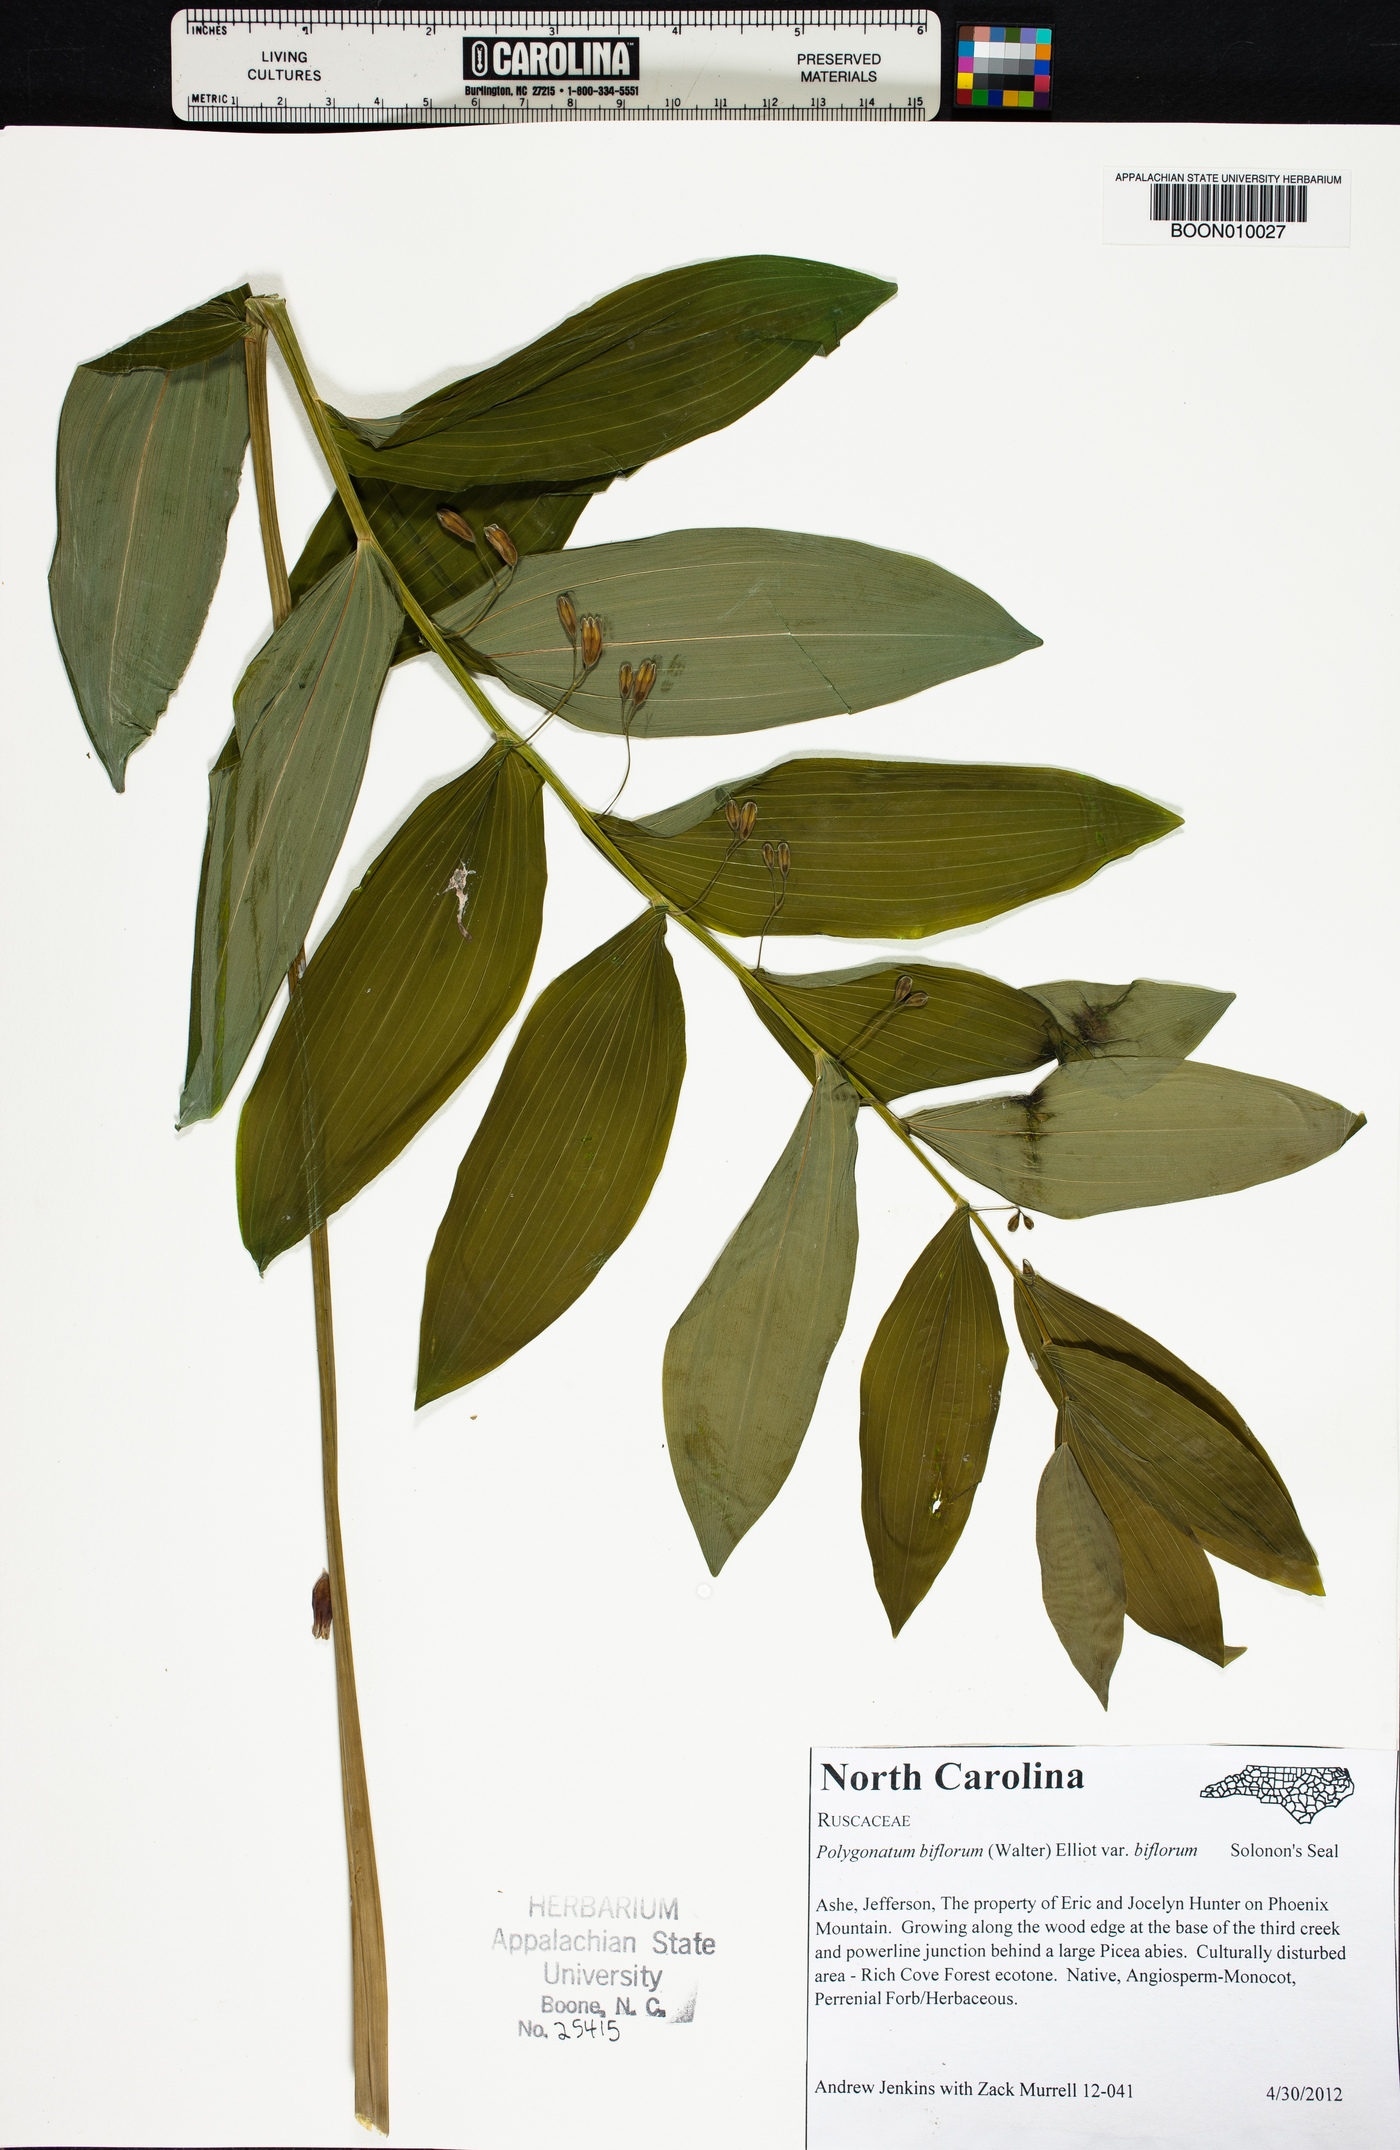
<point x="576" y="59"/>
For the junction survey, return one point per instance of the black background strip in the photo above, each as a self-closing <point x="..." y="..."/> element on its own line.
<point x="106" y="63"/>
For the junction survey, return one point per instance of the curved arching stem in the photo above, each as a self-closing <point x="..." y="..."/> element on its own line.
<point x="368" y="1970"/>
<point x="272" y="311"/>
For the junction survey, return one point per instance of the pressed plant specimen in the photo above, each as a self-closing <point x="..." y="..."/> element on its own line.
<point x="446" y="533"/>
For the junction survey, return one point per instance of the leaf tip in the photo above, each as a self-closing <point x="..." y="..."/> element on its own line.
<point x="1230" y="1651"/>
<point x="715" y="1545"/>
<point x="429" y="1384"/>
<point x="263" y="1251"/>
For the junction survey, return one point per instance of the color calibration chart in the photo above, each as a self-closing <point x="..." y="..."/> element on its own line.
<point x="1004" y="65"/>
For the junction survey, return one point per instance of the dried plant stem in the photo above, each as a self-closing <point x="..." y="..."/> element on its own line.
<point x="733" y="852"/>
<point x="627" y="772"/>
<point x="368" y="1972"/>
<point x="553" y="712"/>
<point x="274" y="313"/>
<point x="260" y="434"/>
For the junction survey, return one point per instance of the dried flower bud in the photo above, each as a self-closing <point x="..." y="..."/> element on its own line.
<point x="499" y="540"/>
<point x="321" y="1607"/>
<point x="592" y="634"/>
<point x="568" y="618"/>
<point x="624" y="680"/>
<point x="784" y="860"/>
<point x="1028" y="1221"/>
<point x="456" y="525"/>
<point x="1013" y="1222"/>
<point x="747" y="819"/>
<point x="731" y="814"/>
<point x="917" y="1000"/>
<point x="903" y="986"/>
<point x="646" y="680"/>
<point x="768" y="856"/>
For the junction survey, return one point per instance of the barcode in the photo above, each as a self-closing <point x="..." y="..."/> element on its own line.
<point x="1194" y="202"/>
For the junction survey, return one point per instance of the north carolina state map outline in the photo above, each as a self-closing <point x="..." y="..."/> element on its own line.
<point x="1303" y="1790"/>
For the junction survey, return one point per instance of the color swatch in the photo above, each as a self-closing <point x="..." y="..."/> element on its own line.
<point x="1004" y="66"/>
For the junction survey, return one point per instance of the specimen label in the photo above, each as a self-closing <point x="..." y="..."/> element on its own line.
<point x="453" y="67"/>
<point x="1178" y="205"/>
<point x="1084" y="1945"/>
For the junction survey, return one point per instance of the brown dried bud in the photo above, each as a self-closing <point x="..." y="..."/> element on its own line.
<point x="499" y="540"/>
<point x="624" y="680"/>
<point x="456" y="525"/>
<point x="784" y="860"/>
<point x="1029" y="1222"/>
<point x="646" y="680"/>
<point x="731" y="814"/>
<point x="592" y="633"/>
<point x="1013" y="1223"/>
<point x="768" y="856"/>
<point x="903" y="986"/>
<point x="747" y="819"/>
<point x="916" y="1000"/>
<point x="321" y="1607"/>
<point x="568" y="618"/>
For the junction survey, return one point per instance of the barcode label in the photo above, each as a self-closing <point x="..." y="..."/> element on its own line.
<point x="1184" y="202"/>
<point x="1176" y="205"/>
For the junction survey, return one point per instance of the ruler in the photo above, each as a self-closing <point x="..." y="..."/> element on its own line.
<point x="484" y="67"/>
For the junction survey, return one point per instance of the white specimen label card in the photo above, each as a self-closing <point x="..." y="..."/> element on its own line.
<point x="481" y="67"/>
<point x="1185" y="207"/>
<point x="1168" y="1946"/>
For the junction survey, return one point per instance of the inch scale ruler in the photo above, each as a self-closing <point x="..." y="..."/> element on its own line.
<point x="483" y="67"/>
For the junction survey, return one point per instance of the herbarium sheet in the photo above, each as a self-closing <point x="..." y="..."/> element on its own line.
<point x="594" y="1663"/>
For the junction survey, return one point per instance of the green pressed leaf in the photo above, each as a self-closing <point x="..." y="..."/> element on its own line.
<point x="929" y="1393"/>
<point x="1074" y="1150"/>
<point x="747" y="628"/>
<point x="188" y="340"/>
<point x="645" y="370"/>
<point x="1124" y="1037"/>
<point x="148" y="469"/>
<point x="969" y="1027"/>
<point x="280" y="799"/>
<point x="1169" y="1584"/>
<point x="745" y="1361"/>
<point x="1071" y="1321"/>
<point x="1179" y="1459"/>
<point x="886" y="849"/>
<point x="437" y="567"/>
<point x="396" y="1007"/>
<point x="1081" y="1573"/>
<point x="566" y="1154"/>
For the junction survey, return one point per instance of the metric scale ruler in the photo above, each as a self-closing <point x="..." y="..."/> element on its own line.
<point x="481" y="67"/>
